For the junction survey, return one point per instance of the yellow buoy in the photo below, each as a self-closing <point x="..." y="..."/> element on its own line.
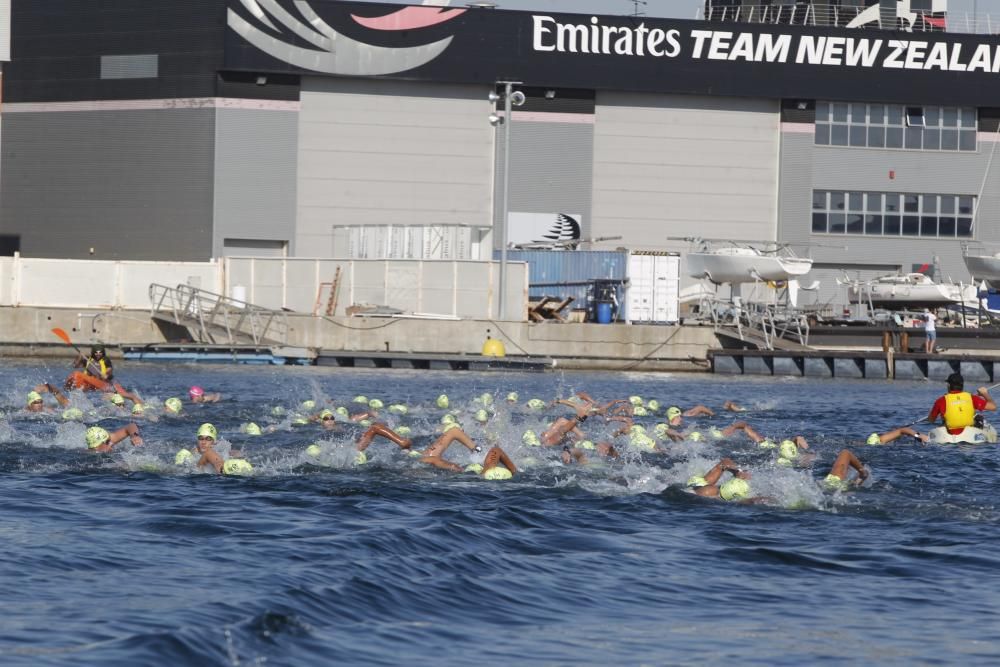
<point x="494" y="348"/>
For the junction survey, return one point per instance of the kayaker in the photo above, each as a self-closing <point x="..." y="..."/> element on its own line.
<point x="958" y="407"/>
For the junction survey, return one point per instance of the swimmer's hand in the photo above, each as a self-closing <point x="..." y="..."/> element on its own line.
<point x="477" y="449"/>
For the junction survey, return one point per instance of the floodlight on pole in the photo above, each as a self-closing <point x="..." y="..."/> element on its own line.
<point x="511" y="98"/>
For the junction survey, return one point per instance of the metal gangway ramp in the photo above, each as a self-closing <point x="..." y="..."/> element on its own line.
<point x="216" y="319"/>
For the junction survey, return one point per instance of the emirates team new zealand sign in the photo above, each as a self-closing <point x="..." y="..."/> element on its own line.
<point x="610" y="52"/>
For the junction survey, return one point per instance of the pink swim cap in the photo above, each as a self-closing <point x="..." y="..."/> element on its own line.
<point x="196" y="391"/>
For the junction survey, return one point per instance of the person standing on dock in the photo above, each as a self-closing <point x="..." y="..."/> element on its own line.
<point x="930" y="330"/>
<point x="958" y="407"/>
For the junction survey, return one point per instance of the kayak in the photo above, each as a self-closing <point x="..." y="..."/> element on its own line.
<point x="969" y="435"/>
<point x="78" y="380"/>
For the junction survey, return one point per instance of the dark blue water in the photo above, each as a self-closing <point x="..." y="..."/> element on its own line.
<point x="127" y="559"/>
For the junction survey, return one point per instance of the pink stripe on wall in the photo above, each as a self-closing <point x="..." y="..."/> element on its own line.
<point x="798" y="128"/>
<point x="146" y="105"/>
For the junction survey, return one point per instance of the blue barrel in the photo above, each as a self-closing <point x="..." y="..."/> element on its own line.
<point x="604" y="312"/>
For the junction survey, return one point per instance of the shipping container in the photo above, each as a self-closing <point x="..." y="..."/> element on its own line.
<point x="654" y="287"/>
<point x="563" y="273"/>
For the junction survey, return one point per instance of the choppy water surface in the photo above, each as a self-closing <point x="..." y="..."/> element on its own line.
<point x="128" y="559"/>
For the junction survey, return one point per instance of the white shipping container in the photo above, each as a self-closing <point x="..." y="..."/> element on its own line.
<point x="654" y="286"/>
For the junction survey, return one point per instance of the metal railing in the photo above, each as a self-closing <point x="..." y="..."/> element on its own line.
<point x="757" y="323"/>
<point x="217" y="319"/>
<point x="804" y="13"/>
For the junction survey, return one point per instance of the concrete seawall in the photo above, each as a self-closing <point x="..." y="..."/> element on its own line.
<point x="28" y="332"/>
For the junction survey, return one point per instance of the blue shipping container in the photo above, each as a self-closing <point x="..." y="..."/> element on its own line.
<point x="563" y="273"/>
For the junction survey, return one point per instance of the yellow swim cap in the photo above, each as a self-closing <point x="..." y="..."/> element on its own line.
<point x="766" y="443"/>
<point x="640" y="411"/>
<point x="637" y="428"/>
<point x="116" y="399"/>
<point x="183" y="457"/>
<point x="874" y="439"/>
<point x="660" y="431"/>
<point x="375" y="404"/>
<point x="512" y="397"/>
<point x="360" y="459"/>
<point x="482" y="416"/>
<point x="673" y="412"/>
<point x="252" y="429"/>
<point x="715" y="433"/>
<point x="404" y="430"/>
<point x="653" y="405"/>
<point x="695" y="436"/>
<point x="173" y="404"/>
<point x="207" y="430"/>
<point x="138" y="409"/>
<point x="398" y="409"/>
<point x="361" y="399"/>
<point x="486" y="399"/>
<point x="498" y="473"/>
<point x="635" y="400"/>
<point x="643" y="442"/>
<point x="788" y="450"/>
<point x="448" y="419"/>
<point x="34" y="397"/>
<point x="734" y="489"/>
<point x="448" y="427"/>
<point x="299" y="420"/>
<point x="308" y="405"/>
<point x="443" y="402"/>
<point x="834" y="483"/>
<point x="696" y="481"/>
<point x="536" y="404"/>
<point x="365" y="422"/>
<point x="530" y="438"/>
<point x="313" y="450"/>
<point x="325" y="413"/>
<point x="72" y="414"/>
<point x="585" y="444"/>
<point x="782" y="461"/>
<point x="278" y="411"/>
<point x="237" y="467"/>
<point x="96" y="436"/>
<point x="474" y="467"/>
<point x="342" y="411"/>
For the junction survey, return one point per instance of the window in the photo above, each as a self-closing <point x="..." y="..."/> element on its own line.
<point x="927" y="128"/>
<point x="892" y="214"/>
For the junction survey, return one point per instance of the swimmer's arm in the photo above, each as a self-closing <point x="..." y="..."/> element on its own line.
<point x="211" y="457"/>
<point x="439" y="462"/>
<point x="133" y="433"/>
<point x="985" y="393"/>
<point x="700" y="410"/>
<point x="59" y="396"/>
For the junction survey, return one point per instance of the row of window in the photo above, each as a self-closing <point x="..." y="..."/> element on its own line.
<point x="892" y="214"/>
<point x="896" y="126"/>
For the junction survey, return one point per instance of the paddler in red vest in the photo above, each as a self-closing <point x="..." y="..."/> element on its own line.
<point x="958" y="407"/>
<point x="97" y="372"/>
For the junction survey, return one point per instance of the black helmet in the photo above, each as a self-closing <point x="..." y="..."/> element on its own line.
<point x="956" y="382"/>
<point x="94" y="349"/>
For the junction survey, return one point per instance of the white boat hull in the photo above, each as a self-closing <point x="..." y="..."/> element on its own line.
<point x="984" y="267"/>
<point x="915" y="295"/>
<point x="739" y="266"/>
<point x="970" y="435"/>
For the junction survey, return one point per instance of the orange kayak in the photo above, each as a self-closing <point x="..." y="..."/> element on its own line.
<point x="80" y="380"/>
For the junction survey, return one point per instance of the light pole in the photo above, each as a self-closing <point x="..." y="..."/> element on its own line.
<point x="511" y="98"/>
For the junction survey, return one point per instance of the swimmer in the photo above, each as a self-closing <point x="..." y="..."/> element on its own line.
<point x="199" y="395"/>
<point x="733" y="407"/>
<point x="35" y="402"/>
<point x="327" y="420"/>
<point x="234" y="465"/>
<point x="736" y="489"/>
<point x="497" y="465"/>
<point x="837" y="479"/>
<point x="100" y="441"/>
<point x="578" y="453"/>
<point x="895" y="434"/>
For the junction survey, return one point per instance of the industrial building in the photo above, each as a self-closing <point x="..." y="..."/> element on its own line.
<point x="192" y="129"/>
